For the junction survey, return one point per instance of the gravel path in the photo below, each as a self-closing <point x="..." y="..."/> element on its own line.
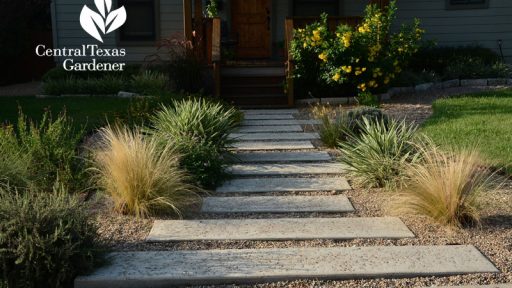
<point x="493" y="238"/>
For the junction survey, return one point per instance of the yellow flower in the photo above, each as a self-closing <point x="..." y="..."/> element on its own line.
<point x="364" y="29"/>
<point x="346" y="39"/>
<point x="357" y="60"/>
<point x="305" y="45"/>
<point x="347" y="69"/>
<point x="323" y="56"/>
<point x="373" y="83"/>
<point x="386" y="80"/>
<point x="336" y="77"/>
<point x="358" y="72"/>
<point x="362" y="87"/>
<point x="316" y="35"/>
<point x="363" y="69"/>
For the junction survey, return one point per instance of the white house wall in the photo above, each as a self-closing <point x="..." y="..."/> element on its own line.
<point x="70" y="35"/>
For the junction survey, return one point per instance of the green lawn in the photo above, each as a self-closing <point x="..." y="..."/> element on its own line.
<point x="89" y="111"/>
<point x="483" y="120"/>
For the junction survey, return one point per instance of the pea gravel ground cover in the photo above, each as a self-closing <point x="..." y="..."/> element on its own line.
<point x="493" y="238"/>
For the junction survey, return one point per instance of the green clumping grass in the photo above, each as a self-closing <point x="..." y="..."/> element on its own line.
<point x="482" y="120"/>
<point x="377" y="157"/>
<point x="200" y="129"/>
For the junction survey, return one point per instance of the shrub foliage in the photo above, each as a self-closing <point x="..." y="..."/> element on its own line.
<point x="364" y="59"/>
<point x="46" y="239"/>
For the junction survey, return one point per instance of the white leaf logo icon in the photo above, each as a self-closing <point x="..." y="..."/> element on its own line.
<point x="105" y="21"/>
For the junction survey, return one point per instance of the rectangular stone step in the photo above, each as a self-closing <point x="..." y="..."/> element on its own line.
<point x="273" y="136"/>
<point x="279" y="122"/>
<point x="270" y="129"/>
<point x="263" y="157"/>
<point x="278" y="229"/>
<point x="272" y="145"/>
<point x="158" y="269"/>
<point x="268" y="117"/>
<point x="277" y="204"/>
<point x="286" y="169"/>
<point x="262" y="185"/>
<point x="270" y="111"/>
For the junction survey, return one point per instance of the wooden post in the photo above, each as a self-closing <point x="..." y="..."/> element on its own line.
<point x="187" y="19"/>
<point x="289" y="61"/>
<point x="199" y="39"/>
<point x="216" y="55"/>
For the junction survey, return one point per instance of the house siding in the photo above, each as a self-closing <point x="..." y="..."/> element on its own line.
<point x="69" y="34"/>
<point x="447" y="27"/>
<point x="462" y="27"/>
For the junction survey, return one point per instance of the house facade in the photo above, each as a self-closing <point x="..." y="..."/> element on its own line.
<point x="256" y="27"/>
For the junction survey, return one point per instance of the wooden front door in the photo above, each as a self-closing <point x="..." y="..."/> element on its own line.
<point x="251" y="25"/>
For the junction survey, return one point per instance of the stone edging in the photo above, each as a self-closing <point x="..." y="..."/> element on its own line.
<point x="492" y="82"/>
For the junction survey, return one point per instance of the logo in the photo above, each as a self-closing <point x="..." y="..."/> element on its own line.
<point x="102" y="23"/>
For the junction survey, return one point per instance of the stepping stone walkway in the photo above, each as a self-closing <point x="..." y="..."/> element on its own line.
<point x="283" y="204"/>
<point x="276" y="156"/>
<point x="279" y="229"/>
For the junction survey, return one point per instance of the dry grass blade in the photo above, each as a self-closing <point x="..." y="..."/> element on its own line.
<point x="141" y="177"/>
<point x="445" y="186"/>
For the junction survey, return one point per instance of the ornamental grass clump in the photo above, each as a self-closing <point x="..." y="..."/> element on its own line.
<point x="378" y="156"/>
<point x="141" y="175"/>
<point x="199" y="129"/>
<point x="334" y="125"/>
<point x="445" y="186"/>
<point x="365" y="58"/>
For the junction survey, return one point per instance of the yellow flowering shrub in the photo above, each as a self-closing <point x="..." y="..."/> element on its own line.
<point x="355" y="59"/>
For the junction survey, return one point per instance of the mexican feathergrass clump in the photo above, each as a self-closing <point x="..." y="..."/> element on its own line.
<point x="445" y="186"/>
<point x="377" y="156"/>
<point x="141" y="174"/>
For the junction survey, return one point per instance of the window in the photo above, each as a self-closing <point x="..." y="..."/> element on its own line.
<point x="315" y="7"/>
<point x="467" y="4"/>
<point x="142" y="21"/>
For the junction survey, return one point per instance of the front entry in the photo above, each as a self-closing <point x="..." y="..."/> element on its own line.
<point x="251" y="25"/>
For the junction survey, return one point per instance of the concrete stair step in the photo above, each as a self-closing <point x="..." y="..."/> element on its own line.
<point x="269" y="117"/>
<point x="274" y="136"/>
<point x="157" y="269"/>
<point x="277" y="204"/>
<point x="270" y="129"/>
<point x="279" y="122"/>
<point x="270" y="111"/>
<point x="275" y="157"/>
<point x="286" y="169"/>
<point x="292" y="184"/>
<point x="278" y="229"/>
<point x="273" y="145"/>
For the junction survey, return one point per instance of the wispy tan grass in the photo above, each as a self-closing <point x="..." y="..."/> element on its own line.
<point x="445" y="186"/>
<point x="140" y="175"/>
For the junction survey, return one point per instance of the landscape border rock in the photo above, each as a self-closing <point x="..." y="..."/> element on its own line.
<point x="491" y="82"/>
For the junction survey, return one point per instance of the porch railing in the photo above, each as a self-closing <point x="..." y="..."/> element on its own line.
<point x="292" y="23"/>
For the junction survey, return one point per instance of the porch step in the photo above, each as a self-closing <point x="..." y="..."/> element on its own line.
<point x="280" y="157"/>
<point x="253" y="89"/>
<point x="270" y="111"/>
<point x="280" y="204"/>
<point x="254" y="71"/>
<point x="248" y="266"/>
<point x="278" y="229"/>
<point x="292" y="184"/>
<point x="286" y="169"/>
<point x="279" y="122"/>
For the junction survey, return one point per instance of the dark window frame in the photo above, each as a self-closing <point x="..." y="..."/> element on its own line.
<point x="466" y="4"/>
<point x="294" y="5"/>
<point x="140" y="42"/>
